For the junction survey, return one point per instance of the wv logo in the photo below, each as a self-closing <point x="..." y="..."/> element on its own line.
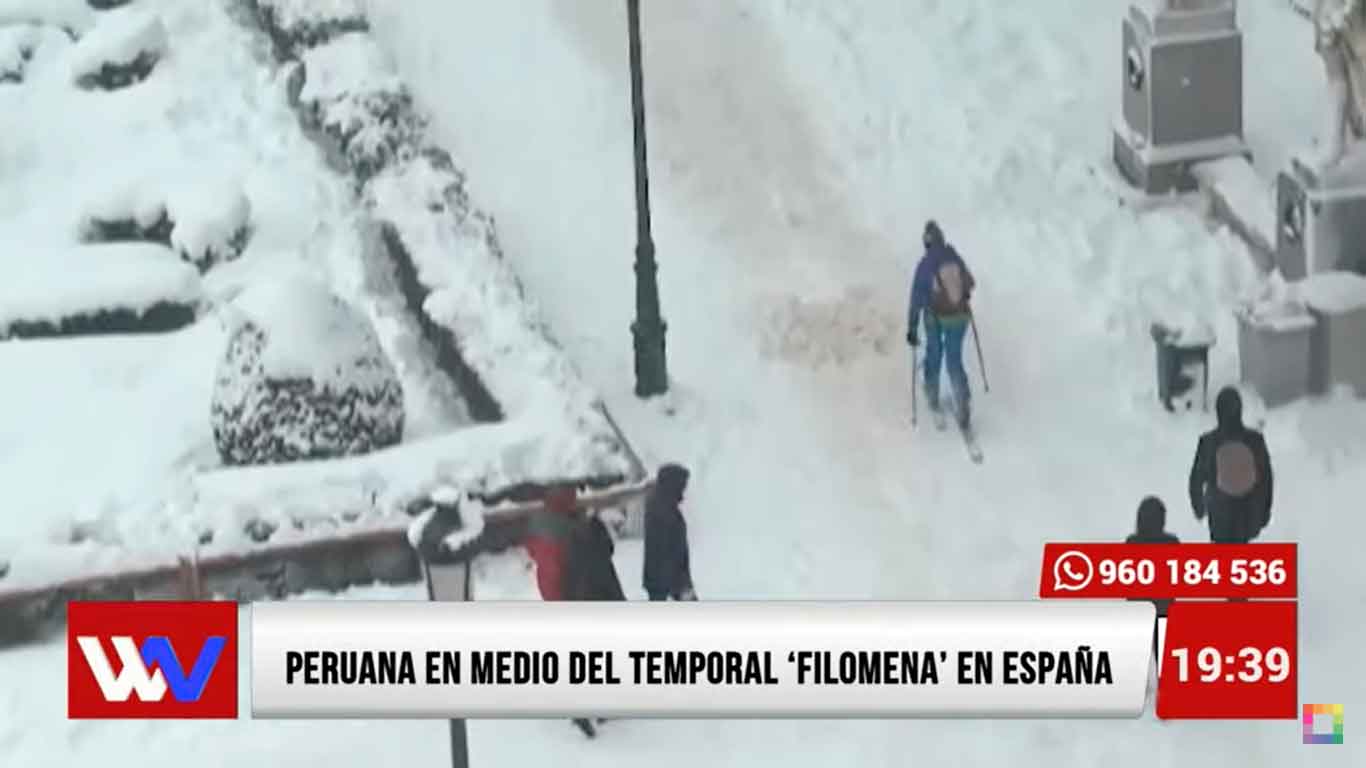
<point x="151" y="670"/>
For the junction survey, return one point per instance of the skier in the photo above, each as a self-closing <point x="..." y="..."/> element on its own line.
<point x="667" y="572"/>
<point x="1230" y="480"/>
<point x="941" y="289"/>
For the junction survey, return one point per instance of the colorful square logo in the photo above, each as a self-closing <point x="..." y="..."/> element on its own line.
<point x="1320" y="714"/>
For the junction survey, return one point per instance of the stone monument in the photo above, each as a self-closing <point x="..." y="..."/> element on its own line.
<point x="1321" y="197"/>
<point x="1183" y="91"/>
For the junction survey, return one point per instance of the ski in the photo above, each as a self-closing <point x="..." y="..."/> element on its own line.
<point x="968" y="433"/>
<point x="970" y="441"/>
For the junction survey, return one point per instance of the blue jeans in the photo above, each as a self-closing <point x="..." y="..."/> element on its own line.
<point x="945" y="342"/>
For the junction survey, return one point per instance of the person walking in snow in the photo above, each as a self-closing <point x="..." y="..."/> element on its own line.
<point x="547" y="537"/>
<point x="589" y="571"/>
<point x="1230" y="479"/>
<point x="1150" y="528"/>
<point x="667" y="571"/>
<point x="941" y="290"/>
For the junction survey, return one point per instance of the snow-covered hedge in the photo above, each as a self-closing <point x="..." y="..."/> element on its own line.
<point x="450" y="269"/>
<point x="205" y="223"/>
<point x="304" y="377"/>
<point x="298" y="24"/>
<point x="122" y="48"/>
<point x="352" y="95"/>
<point x="116" y="288"/>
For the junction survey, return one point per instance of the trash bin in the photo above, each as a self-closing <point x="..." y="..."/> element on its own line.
<point x="1177" y="352"/>
<point x="1337" y="302"/>
<point x="1275" y="345"/>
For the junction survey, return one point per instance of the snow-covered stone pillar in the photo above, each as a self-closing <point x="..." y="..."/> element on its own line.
<point x="1321" y="197"/>
<point x="442" y="537"/>
<point x="1182" y="64"/>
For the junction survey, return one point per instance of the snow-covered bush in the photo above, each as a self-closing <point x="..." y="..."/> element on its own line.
<point x="299" y="24"/>
<point x="122" y="49"/>
<point x="352" y="94"/>
<point x="304" y="377"/>
<point x="210" y="226"/>
<point x="117" y="288"/>
<point x="72" y="16"/>
<point x="22" y="43"/>
<point x="205" y="223"/>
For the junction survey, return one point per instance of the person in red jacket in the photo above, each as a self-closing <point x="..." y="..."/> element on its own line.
<point x="547" y="538"/>
<point x="547" y="543"/>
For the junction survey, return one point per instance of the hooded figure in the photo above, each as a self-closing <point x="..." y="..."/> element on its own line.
<point x="1230" y="480"/>
<point x="667" y="572"/>
<point x="1150" y="528"/>
<point x="547" y="537"/>
<point x="941" y="291"/>
<point x="589" y="572"/>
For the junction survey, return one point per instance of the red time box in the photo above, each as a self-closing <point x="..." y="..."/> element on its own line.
<point x="1110" y="571"/>
<point x="1229" y="661"/>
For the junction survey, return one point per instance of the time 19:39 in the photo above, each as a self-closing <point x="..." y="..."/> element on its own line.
<point x="1249" y="665"/>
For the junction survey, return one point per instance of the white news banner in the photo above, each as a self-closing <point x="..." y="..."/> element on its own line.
<point x="700" y="659"/>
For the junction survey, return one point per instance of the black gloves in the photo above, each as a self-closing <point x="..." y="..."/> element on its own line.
<point x="913" y="339"/>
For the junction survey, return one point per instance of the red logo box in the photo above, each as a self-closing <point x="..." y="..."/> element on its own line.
<point x="151" y="660"/>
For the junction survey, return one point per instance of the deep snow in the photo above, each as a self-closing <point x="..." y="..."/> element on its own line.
<point x="796" y="148"/>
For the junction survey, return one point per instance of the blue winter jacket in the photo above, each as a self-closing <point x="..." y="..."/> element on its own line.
<point x="922" y="286"/>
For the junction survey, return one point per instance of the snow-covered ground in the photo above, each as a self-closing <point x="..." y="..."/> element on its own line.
<point x="796" y="150"/>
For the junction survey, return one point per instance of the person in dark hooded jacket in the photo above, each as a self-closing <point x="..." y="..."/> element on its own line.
<point x="589" y="572"/>
<point x="1150" y="528"/>
<point x="667" y="571"/>
<point x="1230" y="480"/>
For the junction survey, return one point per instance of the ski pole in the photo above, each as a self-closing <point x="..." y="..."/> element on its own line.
<point x="915" y="376"/>
<point x="977" y="342"/>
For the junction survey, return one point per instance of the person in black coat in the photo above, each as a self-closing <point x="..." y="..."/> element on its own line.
<point x="667" y="572"/>
<point x="590" y="573"/>
<point x="1230" y="479"/>
<point x="1150" y="528"/>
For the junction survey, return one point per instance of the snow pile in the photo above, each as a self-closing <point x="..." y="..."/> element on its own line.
<point x="122" y="49"/>
<point x="21" y="44"/>
<point x="15" y="50"/>
<point x="1245" y="193"/>
<point x="74" y="15"/>
<point x="304" y="377"/>
<point x="355" y="98"/>
<point x="1334" y="292"/>
<point x="1279" y="307"/>
<point x="471" y="517"/>
<point x="53" y="285"/>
